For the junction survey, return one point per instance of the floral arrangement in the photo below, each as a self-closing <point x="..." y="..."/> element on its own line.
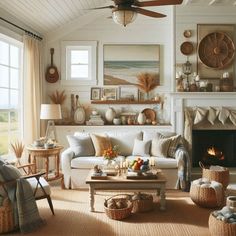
<point x="111" y="153"/>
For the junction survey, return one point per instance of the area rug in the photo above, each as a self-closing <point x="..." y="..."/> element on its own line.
<point x="72" y="217"/>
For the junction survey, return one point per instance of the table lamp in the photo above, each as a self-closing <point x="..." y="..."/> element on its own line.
<point x="50" y="112"/>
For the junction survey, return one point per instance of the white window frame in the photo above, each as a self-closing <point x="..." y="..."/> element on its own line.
<point x="20" y="46"/>
<point x="66" y="47"/>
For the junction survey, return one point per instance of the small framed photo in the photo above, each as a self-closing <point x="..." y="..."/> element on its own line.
<point x="109" y="93"/>
<point x="95" y="94"/>
<point x="128" y="93"/>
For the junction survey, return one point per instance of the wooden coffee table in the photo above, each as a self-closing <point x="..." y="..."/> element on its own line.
<point x="121" y="183"/>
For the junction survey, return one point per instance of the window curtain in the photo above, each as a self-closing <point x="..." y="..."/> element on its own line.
<point x="32" y="90"/>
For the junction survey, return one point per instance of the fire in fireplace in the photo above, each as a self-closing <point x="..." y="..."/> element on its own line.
<point x="213" y="156"/>
<point x="214" y="147"/>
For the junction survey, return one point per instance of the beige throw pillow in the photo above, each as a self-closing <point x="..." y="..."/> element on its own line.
<point x="165" y="147"/>
<point x="141" y="148"/>
<point x="100" y="143"/>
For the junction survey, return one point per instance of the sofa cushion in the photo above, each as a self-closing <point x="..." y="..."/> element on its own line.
<point x="124" y="140"/>
<point x="165" y="147"/>
<point x="81" y="145"/>
<point x="141" y="148"/>
<point x="100" y="143"/>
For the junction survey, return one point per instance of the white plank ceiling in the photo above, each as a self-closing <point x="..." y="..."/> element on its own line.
<point x="47" y="15"/>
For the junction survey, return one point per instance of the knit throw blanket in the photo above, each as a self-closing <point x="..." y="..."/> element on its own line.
<point x="184" y="168"/>
<point x="28" y="214"/>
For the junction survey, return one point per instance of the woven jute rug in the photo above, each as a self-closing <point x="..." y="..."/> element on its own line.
<point x="72" y="217"/>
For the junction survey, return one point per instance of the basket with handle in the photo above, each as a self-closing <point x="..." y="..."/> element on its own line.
<point x="6" y="217"/>
<point x="221" y="176"/>
<point x="121" y="208"/>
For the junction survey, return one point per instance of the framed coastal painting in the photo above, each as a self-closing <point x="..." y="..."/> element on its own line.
<point x="122" y="63"/>
<point x="109" y="93"/>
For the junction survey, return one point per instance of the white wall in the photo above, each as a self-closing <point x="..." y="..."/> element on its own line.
<point x="142" y="30"/>
<point x="187" y="18"/>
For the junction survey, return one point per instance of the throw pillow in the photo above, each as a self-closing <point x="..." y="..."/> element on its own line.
<point x="81" y="145"/>
<point x="100" y="143"/>
<point x="141" y="148"/>
<point x="165" y="146"/>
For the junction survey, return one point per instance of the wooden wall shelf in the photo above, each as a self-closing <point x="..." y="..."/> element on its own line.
<point x="123" y="102"/>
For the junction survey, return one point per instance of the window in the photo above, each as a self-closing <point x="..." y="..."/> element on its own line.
<point x="10" y="92"/>
<point x="78" y="62"/>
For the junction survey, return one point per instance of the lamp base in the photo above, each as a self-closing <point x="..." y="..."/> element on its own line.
<point x="51" y="131"/>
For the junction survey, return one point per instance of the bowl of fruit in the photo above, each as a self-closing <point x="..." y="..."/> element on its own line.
<point x="139" y="165"/>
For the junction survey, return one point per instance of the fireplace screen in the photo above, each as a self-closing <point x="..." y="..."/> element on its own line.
<point x="214" y="147"/>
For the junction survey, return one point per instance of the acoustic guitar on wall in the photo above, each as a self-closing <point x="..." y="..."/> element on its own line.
<point x="52" y="75"/>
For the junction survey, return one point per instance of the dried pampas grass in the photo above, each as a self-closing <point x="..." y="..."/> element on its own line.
<point x="18" y="148"/>
<point x="58" y="97"/>
<point x="147" y="81"/>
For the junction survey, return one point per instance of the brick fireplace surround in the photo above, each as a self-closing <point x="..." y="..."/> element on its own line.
<point x="182" y="101"/>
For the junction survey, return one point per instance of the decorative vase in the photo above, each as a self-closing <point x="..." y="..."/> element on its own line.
<point x="110" y="115"/>
<point x="116" y="121"/>
<point x="109" y="164"/>
<point x="141" y="118"/>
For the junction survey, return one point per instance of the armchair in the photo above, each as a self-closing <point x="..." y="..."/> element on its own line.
<point x="22" y="192"/>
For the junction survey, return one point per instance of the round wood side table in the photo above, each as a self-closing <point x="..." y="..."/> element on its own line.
<point x="35" y="152"/>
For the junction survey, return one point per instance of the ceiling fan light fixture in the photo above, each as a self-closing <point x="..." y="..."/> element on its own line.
<point x="124" y="17"/>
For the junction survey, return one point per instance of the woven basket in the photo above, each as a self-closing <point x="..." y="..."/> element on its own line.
<point x="205" y="197"/>
<point x="218" y="176"/>
<point x="6" y="217"/>
<point x="119" y="214"/>
<point x="143" y="205"/>
<point x="220" y="228"/>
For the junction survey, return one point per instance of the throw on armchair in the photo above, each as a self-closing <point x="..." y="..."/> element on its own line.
<point x="20" y="192"/>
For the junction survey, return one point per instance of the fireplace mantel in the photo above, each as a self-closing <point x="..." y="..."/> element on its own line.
<point x="180" y="101"/>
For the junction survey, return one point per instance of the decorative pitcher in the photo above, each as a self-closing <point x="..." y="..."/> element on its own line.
<point x="141" y="118"/>
<point x="110" y="115"/>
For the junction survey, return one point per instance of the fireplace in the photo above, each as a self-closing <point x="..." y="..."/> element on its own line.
<point x="214" y="147"/>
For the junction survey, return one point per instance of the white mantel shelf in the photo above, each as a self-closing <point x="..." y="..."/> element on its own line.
<point x="182" y="100"/>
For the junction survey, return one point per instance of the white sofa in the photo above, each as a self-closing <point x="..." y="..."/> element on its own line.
<point x="76" y="168"/>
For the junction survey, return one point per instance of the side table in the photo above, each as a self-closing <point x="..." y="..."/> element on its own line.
<point x="35" y="152"/>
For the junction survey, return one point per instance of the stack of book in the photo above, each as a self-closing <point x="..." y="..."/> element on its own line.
<point x="95" y="120"/>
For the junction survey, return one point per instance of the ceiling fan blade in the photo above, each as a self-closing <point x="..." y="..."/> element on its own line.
<point x="96" y="8"/>
<point x="148" y="13"/>
<point x="157" y="3"/>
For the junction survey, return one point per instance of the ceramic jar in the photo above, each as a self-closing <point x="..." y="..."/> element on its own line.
<point x="116" y="121"/>
<point x="141" y="118"/>
<point x="110" y="115"/>
<point x="231" y="203"/>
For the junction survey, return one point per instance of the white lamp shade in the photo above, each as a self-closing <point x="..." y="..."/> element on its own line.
<point x="124" y="17"/>
<point x="50" y="112"/>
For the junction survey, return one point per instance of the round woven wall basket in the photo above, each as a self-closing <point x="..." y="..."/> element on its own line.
<point x="220" y="228"/>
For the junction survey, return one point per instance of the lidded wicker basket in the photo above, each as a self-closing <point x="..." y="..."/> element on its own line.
<point x="220" y="228"/>
<point x="218" y="176"/>
<point x="119" y="213"/>
<point x="6" y="217"/>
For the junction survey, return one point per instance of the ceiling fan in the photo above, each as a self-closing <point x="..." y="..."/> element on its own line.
<point x="125" y="11"/>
